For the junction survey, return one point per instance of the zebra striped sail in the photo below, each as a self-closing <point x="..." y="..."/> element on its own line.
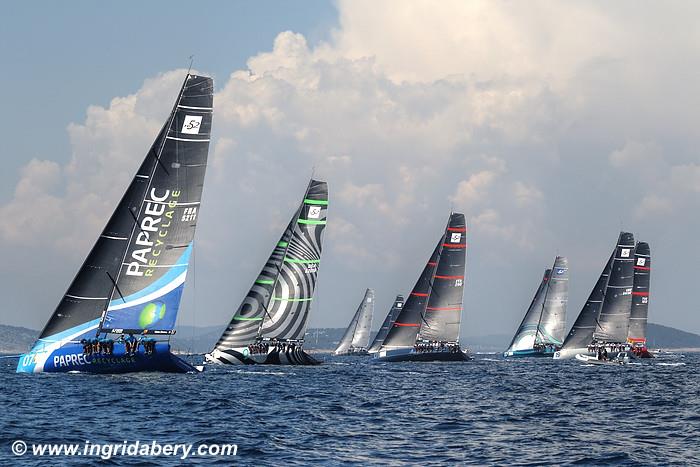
<point x="278" y="304"/>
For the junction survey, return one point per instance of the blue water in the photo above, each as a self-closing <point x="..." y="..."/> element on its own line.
<point x="351" y="411"/>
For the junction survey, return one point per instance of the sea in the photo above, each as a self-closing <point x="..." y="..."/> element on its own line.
<point x="353" y="411"/>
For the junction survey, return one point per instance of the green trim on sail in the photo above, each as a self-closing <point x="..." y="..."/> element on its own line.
<point x="311" y="222"/>
<point x="302" y="261"/>
<point x="281" y="299"/>
<point x="240" y="318"/>
<point x="322" y="202"/>
<point x="282" y="244"/>
<point x="265" y="281"/>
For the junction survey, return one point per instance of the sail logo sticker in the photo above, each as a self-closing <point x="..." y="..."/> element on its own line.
<point x="399" y="305"/>
<point x="459" y="282"/>
<point x="314" y="212"/>
<point x="189" y="214"/>
<point x="456" y="237"/>
<point x="627" y="292"/>
<point x="625" y="253"/>
<point x="311" y="268"/>
<point x="641" y="261"/>
<point x="153" y="232"/>
<point x="192" y="124"/>
<point x="645" y="300"/>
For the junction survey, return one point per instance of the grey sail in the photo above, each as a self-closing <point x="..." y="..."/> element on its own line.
<point x="357" y="334"/>
<point x="551" y="327"/>
<point x="386" y="325"/>
<point x="526" y="335"/>
<point x="613" y="321"/>
<point x="581" y="333"/>
<point x="443" y="312"/>
<point x="278" y="304"/>
<point x="637" y="333"/>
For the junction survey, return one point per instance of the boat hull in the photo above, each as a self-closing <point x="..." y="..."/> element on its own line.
<point x="241" y="356"/>
<point x="410" y="355"/>
<point x="528" y="353"/>
<point x="593" y="360"/>
<point x="71" y="358"/>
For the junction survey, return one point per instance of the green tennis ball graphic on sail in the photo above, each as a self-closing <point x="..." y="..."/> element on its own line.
<point x="151" y="314"/>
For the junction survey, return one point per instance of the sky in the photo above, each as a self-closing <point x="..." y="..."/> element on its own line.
<point x="551" y="125"/>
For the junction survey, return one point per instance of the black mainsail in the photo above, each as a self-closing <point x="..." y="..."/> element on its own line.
<point x="132" y="279"/>
<point x="277" y="305"/>
<point x="433" y="310"/>
<point x="386" y="325"/>
<point x="356" y="337"/>
<point x="613" y="320"/>
<point x="637" y="333"/>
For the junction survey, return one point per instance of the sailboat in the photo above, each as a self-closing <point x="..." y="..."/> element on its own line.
<point x="356" y="337"/>
<point x="269" y="325"/>
<point x="132" y="279"/>
<point x="427" y="327"/>
<point x="604" y="319"/>
<point x="637" y="333"/>
<point x="541" y="331"/>
<point x="386" y="325"/>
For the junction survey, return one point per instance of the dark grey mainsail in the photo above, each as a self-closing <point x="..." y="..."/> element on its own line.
<point x="386" y="325"/>
<point x="581" y="333"/>
<point x="443" y="313"/>
<point x="435" y="304"/>
<point x="551" y="327"/>
<point x="278" y="303"/>
<point x="133" y="277"/>
<point x="613" y="320"/>
<point x="640" y="294"/>
<point x="356" y="336"/>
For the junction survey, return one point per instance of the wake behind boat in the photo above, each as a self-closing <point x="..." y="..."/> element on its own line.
<point x="356" y="337"/>
<point x="427" y="327"/>
<point x="541" y="331"/>
<point x="131" y="281"/>
<point x="269" y="326"/>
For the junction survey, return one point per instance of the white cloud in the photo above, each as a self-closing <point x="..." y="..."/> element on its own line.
<point x="495" y="107"/>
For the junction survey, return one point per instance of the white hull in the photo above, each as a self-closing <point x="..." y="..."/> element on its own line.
<point x="567" y="354"/>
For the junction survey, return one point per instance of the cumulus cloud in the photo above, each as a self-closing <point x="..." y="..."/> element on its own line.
<point x="547" y="123"/>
